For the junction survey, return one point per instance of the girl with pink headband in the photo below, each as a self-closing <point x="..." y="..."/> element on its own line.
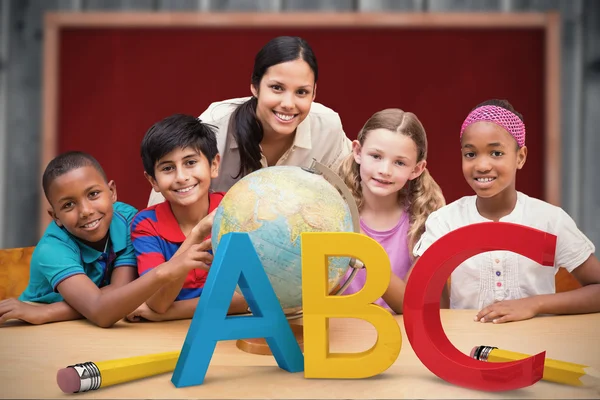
<point x="502" y="285"/>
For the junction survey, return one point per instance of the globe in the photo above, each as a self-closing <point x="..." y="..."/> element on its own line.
<point x="274" y="206"/>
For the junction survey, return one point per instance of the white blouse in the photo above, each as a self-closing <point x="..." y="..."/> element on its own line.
<point x="503" y="275"/>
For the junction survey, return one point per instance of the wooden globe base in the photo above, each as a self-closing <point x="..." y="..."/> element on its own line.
<point x="260" y="346"/>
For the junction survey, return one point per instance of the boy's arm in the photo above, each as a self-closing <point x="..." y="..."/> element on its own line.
<point x="121" y="276"/>
<point x="105" y="307"/>
<point x="184" y="309"/>
<point x="166" y="295"/>
<point x="578" y="301"/>
<point x="36" y="313"/>
<point x="39" y="313"/>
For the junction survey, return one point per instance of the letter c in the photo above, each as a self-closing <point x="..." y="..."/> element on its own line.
<point x="422" y="303"/>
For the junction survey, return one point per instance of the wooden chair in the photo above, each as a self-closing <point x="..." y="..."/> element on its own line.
<point x="565" y="281"/>
<point x="14" y="271"/>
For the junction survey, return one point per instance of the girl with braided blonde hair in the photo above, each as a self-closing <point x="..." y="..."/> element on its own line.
<point x="395" y="193"/>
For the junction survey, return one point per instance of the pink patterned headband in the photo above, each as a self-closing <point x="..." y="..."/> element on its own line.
<point x="499" y="116"/>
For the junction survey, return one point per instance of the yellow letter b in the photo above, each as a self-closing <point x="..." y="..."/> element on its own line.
<point x="318" y="307"/>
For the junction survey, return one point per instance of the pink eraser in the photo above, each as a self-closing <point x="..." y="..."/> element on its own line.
<point x="473" y="350"/>
<point x="68" y="380"/>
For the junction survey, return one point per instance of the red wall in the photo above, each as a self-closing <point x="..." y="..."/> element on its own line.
<point x="115" y="83"/>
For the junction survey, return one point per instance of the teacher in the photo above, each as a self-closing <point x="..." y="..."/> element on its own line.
<point x="280" y="124"/>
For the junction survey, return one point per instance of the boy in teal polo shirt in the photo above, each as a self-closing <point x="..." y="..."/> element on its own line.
<point x="85" y="265"/>
<point x="60" y="255"/>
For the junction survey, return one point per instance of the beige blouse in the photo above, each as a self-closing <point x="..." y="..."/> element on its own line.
<point x="319" y="136"/>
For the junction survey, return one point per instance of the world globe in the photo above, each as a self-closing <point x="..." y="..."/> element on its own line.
<point x="274" y="206"/>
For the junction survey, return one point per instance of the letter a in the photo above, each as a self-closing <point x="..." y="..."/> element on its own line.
<point x="318" y="307"/>
<point x="236" y="262"/>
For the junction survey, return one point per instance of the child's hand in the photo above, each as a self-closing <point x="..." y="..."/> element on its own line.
<point x="197" y="256"/>
<point x="144" y="312"/>
<point x="203" y="228"/>
<point x="15" y="309"/>
<point x="509" y="310"/>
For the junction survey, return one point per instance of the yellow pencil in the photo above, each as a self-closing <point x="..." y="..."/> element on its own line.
<point x="94" y="375"/>
<point x="554" y="371"/>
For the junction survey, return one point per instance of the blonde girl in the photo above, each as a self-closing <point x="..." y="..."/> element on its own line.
<point x="395" y="193"/>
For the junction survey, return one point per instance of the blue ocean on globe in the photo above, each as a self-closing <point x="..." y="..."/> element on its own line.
<point x="274" y="206"/>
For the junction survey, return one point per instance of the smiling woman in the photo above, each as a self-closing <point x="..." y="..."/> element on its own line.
<point x="280" y="124"/>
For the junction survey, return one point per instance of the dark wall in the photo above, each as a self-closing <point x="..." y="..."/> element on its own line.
<point x="115" y="83"/>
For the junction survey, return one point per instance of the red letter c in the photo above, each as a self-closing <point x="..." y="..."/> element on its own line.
<point x="422" y="303"/>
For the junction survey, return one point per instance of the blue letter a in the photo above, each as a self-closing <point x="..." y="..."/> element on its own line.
<point x="236" y="263"/>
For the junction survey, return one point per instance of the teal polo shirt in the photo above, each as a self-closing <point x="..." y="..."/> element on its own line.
<point x="60" y="255"/>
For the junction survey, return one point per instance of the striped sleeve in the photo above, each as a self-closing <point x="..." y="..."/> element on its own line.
<point x="146" y="241"/>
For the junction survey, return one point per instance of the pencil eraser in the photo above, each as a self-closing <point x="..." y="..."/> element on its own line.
<point x="473" y="350"/>
<point x="68" y="380"/>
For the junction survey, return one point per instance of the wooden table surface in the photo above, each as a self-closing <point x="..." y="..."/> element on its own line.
<point x="31" y="355"/>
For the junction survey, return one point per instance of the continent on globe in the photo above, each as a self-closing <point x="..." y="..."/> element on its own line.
<point x="274" y="206"/>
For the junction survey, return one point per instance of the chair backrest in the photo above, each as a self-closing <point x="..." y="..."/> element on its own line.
<point x="14" y="271"/>
<point x="565" y="281"/>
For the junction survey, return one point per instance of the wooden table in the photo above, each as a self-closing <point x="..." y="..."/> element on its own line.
<point x="31" y="355"/>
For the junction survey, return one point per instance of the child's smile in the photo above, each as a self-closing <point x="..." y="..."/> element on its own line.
<point x="90" y="226"/>
<point x="183" y="176"/>
<point x="382" y="182"/>
<point x="490" y="159"/>
<point x="387" y="160"/>
<point x="186" y="191"/>
<point x="82" y="203"/>
<point x="484" y="182"/>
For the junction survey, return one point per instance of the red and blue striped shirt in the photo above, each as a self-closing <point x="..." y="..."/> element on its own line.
<point x="156" y="236"/>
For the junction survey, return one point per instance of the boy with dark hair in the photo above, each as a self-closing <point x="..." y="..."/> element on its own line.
<point x="180" y="158"/>
<point x="84" y="265"/>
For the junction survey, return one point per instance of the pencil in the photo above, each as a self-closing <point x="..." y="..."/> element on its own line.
<point x="554" y="371"/>
<point x="94" y="375"/>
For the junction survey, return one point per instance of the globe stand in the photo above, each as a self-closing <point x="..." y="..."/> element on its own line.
<point x="260" y="346"/>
